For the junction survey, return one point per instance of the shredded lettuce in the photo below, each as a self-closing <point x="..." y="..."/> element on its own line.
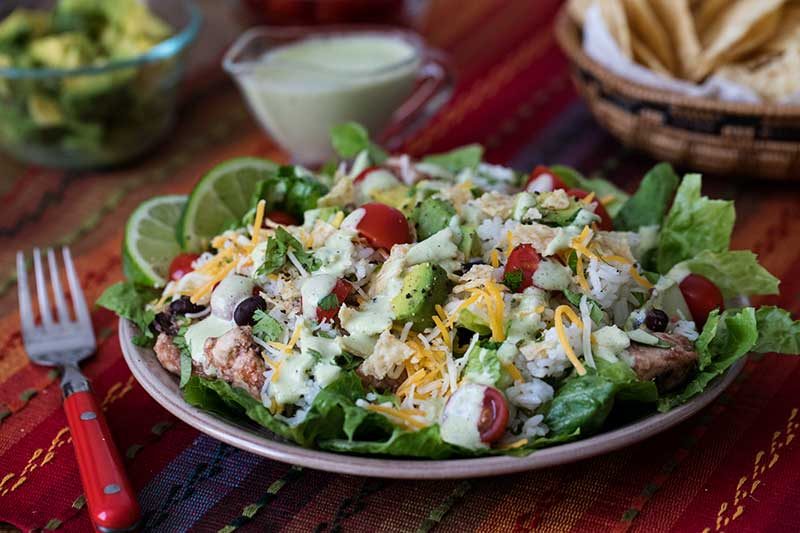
<point x="694" y="224"/>
<point x="735" y="273"/>
<point x="777" y="332"/>
<point x="600" y="187"/>
<point x="351" y="138"/>
<point x="130" y="300"/>
<point x="649" y="204"/>
<point x="456" y="160"/>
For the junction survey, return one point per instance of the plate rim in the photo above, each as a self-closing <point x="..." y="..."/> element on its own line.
<point x="152" y="377"/>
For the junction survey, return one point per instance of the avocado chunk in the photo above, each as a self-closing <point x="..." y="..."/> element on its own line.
<point x="23" y="24"/>
<point x="432" y="216"/>
<point x="396" y="197"/>
<point x="424" y="286"/>
<point x="469" y="320"/>
<point x="470" y="244"/>
<point x="561" y="217"/>
<point x="65" y="50"/>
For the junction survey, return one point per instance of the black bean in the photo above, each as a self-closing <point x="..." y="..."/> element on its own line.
<point x="656" y="320"/>
<point x="244" y="312"/>
<point x="184" y="305"/>
<point x="162" y="323"/>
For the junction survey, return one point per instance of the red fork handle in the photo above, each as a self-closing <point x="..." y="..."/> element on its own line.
<point x="111" y="499"/>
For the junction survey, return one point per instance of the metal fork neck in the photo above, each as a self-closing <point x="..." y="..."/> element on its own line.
<point x="73" y="380"/>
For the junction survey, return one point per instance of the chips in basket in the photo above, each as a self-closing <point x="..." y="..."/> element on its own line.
<point x="754" y="43"/>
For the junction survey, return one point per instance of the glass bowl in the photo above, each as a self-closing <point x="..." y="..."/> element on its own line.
<point x="104" y="115"/>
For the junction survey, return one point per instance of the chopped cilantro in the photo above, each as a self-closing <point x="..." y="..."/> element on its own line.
<point x="266" y="328"/>
<point x="275" y="253"/>
<point x="513" y="280"/>
<point x="329" y="303"/>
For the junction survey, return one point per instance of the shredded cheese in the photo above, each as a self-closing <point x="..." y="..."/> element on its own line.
<point x="209" y="286"/>
<point x="516" y="444"/>
<point x="443" y="329"/>
<point x="257" y="221"/>
<point x="514" y="372"/>
<point x="495" y="309"/>
<point x="510" y="239"/>
<point x="562" y="335"/>
<point x="644" y="282"/>
<point x="463" y="305"/>
<point x="337" y="219"/>
<point x="581" y="274"/>
<point x="588" y="199"/>
<point x="607" y="199"/>
<point x="495" y="258"/>
<point x="406" y="417"/>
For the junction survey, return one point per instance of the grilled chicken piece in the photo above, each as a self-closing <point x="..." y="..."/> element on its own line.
<point x="167" y="353"/>
<point x="237" y="360"/>
<point x="234" y="356"/>
<point x="669" y="367"/>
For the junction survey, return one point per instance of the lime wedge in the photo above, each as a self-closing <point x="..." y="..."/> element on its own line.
<point x="221" y="198"/>
<point x="150" y="243"/>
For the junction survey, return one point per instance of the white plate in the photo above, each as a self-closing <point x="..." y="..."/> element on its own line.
<point x="163" y="387"/>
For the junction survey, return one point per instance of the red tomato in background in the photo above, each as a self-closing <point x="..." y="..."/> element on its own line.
<point x="181" y="265"/>
<point x="701" y="296"/>
<point x="363" y="174"/>
<point x="383" y="226"/>
<point x="524" y="259"/>
<point x="282" y="217"/>
<point x="494" y="416"/>
<point x="341" y="290"/>
<point x="605" y="223"/>
<point x="542" y="179"/>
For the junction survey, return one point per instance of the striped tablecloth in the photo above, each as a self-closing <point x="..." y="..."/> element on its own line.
<point x="734" y="467"/>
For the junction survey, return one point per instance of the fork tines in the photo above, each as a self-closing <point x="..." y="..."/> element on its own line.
<point x="81" y="311"/>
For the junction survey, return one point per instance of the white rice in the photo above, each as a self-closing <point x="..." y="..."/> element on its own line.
<point x="586" y="336"/>
<point x="530" y="395"/>
<point x="534" y="427"/>
<point x="686" y="328"/>
<point x="547" y="358"/>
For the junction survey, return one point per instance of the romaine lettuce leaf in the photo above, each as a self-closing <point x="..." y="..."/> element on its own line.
<point x="694" y="223"/>
<point x="600" y="187"/>
<point x="129" y="300"/>
<point x="777" y="332"/>
<point x="649" y="204"/>
<point x="736" y="273"/>
<point x="350" y="138"/>
<point x="456" y="160"/>
<point x="423" y="443"/>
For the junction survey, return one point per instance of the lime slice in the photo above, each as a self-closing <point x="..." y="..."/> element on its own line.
<point x="150" y="243"/>
<point x="221" y="198"/>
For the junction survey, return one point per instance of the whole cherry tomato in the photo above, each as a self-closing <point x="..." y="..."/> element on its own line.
<point x="701" y="296"/>
<point x="383" y="226"/>
<point x="605" y="223"/>
<point x="181" y="265"/>
<point x="542" y="179"/>
<point x="522" y="262"/>
<point x="494" y="416"/>
<point x="341" y="291"/>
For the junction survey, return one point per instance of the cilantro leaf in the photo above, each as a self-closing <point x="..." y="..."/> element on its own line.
<point x="329" y="303"/>
<point x="276" y="250"/>
<point x="179" y="341"/>
<point x="266" y="327"/>
<point x="513" y="280"/>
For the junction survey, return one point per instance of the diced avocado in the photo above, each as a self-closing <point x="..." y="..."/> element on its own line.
<point x="424" y="286"/>
<point x="396" y="197"/>
<point x="97" y="95"/>
<point x="432" y="216"/>
<point x="65" y="50"/>
<point x="470" y="244"/>
<point x="23" y="24"/>
<point x="643" y="337"/>
<point x="483" y="366"/>
<point x="469" y="320"/>
<point x="86" y="16"/>
<point x="522" y="203"/>
<point x="561" y="217"/>
<point x="44" y="111"/>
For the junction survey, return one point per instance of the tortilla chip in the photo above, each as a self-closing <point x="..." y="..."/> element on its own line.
<point x="706" y="12"/>
<point x="645" y="56"/>
<point x="738" y="30"/>
<point x="774" y="80"/>
<point x="614" y="16"/>
<point x="577" y="10"/>
<point x="677" y="18"/>
<point x="788" y="31"/>
<point x="647" y="29"/>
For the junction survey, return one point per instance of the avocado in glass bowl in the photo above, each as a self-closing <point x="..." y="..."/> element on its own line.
<point x="90" y="83"/>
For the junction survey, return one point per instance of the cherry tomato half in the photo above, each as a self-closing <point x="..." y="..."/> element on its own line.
<point x="383" y="226"/>
<point x="363" y="174"/>
<point x="181" y="265"/>
<point x="702" y="297"/>
<point x="605" y="223"/>
<point x="341" y="290"/>
<point x="282" y="217"/>
<point x="494" y="416"/>
<point x="522" y="261"/>
<point x="542" y="179"/>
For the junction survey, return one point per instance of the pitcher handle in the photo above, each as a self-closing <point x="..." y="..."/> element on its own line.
<point x="435" y="83"/>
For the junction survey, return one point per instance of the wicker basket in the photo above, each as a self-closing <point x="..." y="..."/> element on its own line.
<point x="752" y="140"/>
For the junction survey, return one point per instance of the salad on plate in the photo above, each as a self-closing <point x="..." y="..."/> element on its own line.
<point x="441" y="307"/>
